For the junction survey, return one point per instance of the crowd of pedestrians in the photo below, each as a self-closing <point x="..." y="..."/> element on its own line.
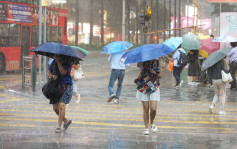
<point x="147" y="82"/>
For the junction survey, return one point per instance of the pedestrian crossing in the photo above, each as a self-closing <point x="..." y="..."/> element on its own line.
<point x="94" y="113"/>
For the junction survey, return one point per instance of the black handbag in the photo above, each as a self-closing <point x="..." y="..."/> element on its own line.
<point x="52" y="89"/>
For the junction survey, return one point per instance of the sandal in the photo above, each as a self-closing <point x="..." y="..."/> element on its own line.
<point x="58" y="130"/>
<point x="66" y="125"/>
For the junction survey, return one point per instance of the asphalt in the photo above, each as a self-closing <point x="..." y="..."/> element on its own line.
<point x="183" y="120"/>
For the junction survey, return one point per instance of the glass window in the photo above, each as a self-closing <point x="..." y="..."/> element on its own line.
<point x="47" y="34"/>
<point x="9" y="35"/>
<point x="14" y="35"/>
<point x="4" y="30"/>
<point x="35" y="35"/>
<point x="3" y="35"/>
<point x="60" y="34"/>
<point x="54" y="34"/>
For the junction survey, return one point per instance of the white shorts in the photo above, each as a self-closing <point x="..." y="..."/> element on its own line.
<point x="149" y="97"/>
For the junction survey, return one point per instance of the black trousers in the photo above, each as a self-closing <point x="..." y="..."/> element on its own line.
<point x="176" y="73"/>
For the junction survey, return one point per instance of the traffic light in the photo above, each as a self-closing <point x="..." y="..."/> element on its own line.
<point x="146" y="16"/>
<point x="145" y="19"/>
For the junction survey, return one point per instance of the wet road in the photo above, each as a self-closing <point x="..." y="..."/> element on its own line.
<point x="183" y="119"/>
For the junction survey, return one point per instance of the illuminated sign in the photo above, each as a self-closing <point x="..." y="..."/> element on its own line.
<point x="46" y="2"/>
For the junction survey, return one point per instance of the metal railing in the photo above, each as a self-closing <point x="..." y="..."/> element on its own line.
<point x="29" y="72"/>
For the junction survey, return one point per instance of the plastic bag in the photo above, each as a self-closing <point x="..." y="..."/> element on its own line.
<point x="170" y="66"/>
<point x="226" y="77"/>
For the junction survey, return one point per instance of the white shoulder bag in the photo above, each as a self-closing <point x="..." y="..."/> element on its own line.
<point x="226" y="77"/>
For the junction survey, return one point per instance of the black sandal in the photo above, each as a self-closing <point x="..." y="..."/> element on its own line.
<point x="66" y="125"/>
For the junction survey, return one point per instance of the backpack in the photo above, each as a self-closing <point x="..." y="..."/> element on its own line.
<point x="183" y="60"/>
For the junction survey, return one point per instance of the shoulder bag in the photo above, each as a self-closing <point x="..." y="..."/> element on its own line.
<point x="226" y="77"/>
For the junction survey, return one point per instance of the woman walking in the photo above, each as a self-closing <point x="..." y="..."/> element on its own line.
<point x="60" y="69"/>
<point x="148" y="92"/>
<point x="218" y="85"/>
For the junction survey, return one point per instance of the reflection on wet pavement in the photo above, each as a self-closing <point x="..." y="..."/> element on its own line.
<point x="182" y="118"/>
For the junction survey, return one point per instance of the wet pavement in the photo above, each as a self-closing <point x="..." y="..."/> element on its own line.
<point x="183" y="120"/>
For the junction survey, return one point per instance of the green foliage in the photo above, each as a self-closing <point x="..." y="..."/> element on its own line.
<point x="94" y="47"/>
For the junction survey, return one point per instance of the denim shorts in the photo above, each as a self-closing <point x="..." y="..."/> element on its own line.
<point x="66" y="97"/>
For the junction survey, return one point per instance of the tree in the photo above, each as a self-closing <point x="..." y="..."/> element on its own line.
<point x="128" y="19"/>
<point x="102" y="22"/>
<point x="91" y="22"/>
<point x="76" y="22"/>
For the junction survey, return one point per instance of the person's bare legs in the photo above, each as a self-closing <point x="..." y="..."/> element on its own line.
<point x="59" y="109"/>
<point x="61" y="115"/>
<point x="153" y="108"/>
<point x="145" y="105"/>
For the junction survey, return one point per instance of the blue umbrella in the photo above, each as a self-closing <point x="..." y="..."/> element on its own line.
<point x="145" y="53"/>
<point x="51" y="48"/>
<point x="173" y="42"/>
<point x="116" y="47"/>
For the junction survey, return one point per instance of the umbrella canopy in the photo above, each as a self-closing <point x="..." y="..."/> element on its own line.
<point x="116" y="47"/>
<point x="215" y="57"/>
<point x="191" y="42"/>
<point x="51" y="48"/>
<point x="173" y="42"/>
<point x="145" y="53"/>
<point x="225" y="39"/>
<point x="83" y="52"/>
<point x="208" y="47"/>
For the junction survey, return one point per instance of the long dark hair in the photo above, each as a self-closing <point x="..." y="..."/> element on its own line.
<point x="233" y="44"/>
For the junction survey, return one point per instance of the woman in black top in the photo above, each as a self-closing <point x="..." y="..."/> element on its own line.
<point x="193" y="68"/>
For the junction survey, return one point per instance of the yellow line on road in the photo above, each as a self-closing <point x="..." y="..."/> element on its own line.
<point x="123" y="119"/>
<point x="9" y="78"/>
<point x="161" y="128"/>
<point x="114" y="124"/>
<point x="88" y="113"/>
<point x="11" y="100"/>
<point x="95" y="109"/>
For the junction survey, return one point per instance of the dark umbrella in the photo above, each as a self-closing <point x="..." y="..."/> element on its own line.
<point x="215" y="57"/>
<point x="51" y="48"/>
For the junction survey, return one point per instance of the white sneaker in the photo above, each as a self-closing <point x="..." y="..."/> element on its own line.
<point x="181" y="82"/>
<point x="221" y="112"/>
<point x="196" y="83"/>
<point x="211" y="109"/>
<point x="116" y="101"/>
<point x="192" y="83"/>
<point x="111" y="98"/>
<point x="177" y="87"/>
<point x="154" y="128"/>
<point x="78" y="100"/>
<point x="146" y="132"/>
